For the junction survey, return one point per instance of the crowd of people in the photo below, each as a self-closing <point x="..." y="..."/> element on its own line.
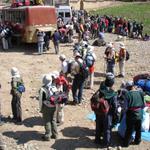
<point x="56" y="86"/>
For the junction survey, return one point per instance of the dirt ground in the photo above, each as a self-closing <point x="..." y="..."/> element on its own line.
<point x="77" y="133"/>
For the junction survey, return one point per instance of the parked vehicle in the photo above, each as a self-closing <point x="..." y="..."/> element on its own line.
<point x="26" y="20"/>
<point x="65" y="13"/>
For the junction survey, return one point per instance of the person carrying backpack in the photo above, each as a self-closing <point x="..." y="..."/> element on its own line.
<point x="90" y="59"/>
<point x="107" y="108"/>
<point x="110" y="58"/>
<point x="78" y="81"/>
<point x="48" y="107"/>
<point x="17" y="87"/>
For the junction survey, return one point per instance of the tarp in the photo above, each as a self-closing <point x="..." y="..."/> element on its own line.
<point x="144" y="135"/>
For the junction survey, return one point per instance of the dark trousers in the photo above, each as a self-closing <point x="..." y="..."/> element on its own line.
<point x="103" y="128"/>
<point x="56" y="46"/>
<point x="77" y="89"/>
<point x="132" y="125"/>
<point x="16" y="108"/>
<point x="49" y="117"/>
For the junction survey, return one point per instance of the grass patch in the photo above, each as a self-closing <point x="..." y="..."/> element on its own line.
<point x="135" y="11"/>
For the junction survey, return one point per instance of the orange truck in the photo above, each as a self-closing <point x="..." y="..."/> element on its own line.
<point x="26" y="20"/>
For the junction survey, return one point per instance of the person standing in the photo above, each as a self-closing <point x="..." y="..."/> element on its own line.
<point x="1" y="122"/>
<point x="16" y="94"/>
<point x="47" y="38"/>
<point x="134" y="105"/>
<point x="64" y="65"/>
<point x="104" y="121"/>
<point x="48" y="108"/>
<point x="40" y="41"/>
<point x="78" y="81"/>
<point x="110" y="58"/>
<point x="122" y="59"/>
<point x="56" y="38"/>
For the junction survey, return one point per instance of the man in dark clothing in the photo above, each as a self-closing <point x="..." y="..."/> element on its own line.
<point x="134" y="105"/>
<point x="47" y="38"/>
<point x="78" y="83"/>
<point x="104" y="121"/>
<point x="56" y="38"/>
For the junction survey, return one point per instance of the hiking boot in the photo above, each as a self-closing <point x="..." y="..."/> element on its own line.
<point x="120" y="76"/>
<point x="45" y="138"/>
<point x="137" y="142"/>
<point x="97" y="141"/>
<point x="54" y="137"/>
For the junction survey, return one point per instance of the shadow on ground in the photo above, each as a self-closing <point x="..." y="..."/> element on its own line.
<point x="79" y="137"/>
<point x="23" y="136"/>
<point x="33" y="121"/>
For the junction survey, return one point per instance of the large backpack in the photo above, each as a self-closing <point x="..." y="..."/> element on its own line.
<point x="144" y="84"/>
<point x="99" y="105"/>
<point x="89" y="60"/>
<point x="84" y="71"/>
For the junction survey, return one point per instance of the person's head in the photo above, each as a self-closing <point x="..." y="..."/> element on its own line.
<point x="47" y="79"/>
<point x="55" y="75"/>
<point x="90" y="49"/>
<point x="110" y="45"/>
<point x="15" y="72"/>
<point x="77" y="55"/>
<point x="122" y="45"/>
<point x="110" y="79"/>
<point x="129" y="85"/>
<point x="62" y="57"/>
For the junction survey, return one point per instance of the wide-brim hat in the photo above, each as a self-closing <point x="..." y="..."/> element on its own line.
<point x="121" y="45"/>
<point x="15" y="72"/>
<point x="47" y="79"/>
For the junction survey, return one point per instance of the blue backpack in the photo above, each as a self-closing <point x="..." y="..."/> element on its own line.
<point x="20" y="87"/>
<point x="144" y="84"/>
<point x="89" y="60"/>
